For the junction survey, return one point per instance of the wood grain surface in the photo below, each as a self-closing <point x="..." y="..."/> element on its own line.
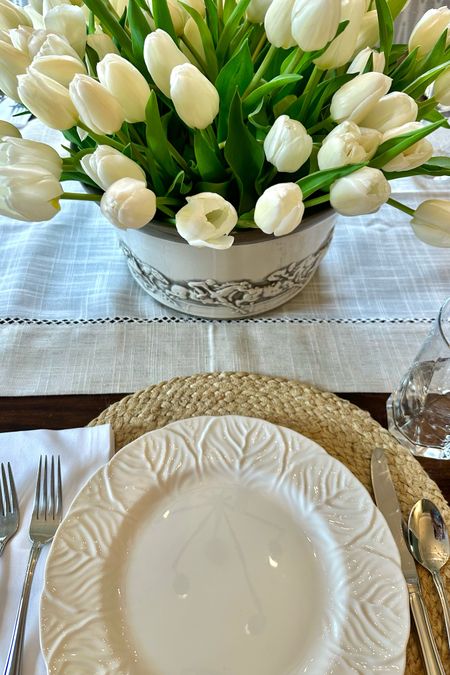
<point x="61" y="412"/>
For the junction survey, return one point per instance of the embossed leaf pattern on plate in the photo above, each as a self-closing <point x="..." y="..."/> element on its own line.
<point x="220" y="531"/>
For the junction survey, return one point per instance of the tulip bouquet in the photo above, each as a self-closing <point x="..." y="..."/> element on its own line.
<point x="216" y="115"/>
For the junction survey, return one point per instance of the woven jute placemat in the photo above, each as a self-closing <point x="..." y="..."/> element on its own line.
<point x="346" y="432"/>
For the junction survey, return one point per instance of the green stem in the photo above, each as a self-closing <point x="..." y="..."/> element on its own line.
<point x="318" y="200"/>
<point x="100" y="139"/>
<point x="122" y="137"/>
<point x="298" y="55"/>
<point x="401" y="207"/>
<point x="323" y="124"/>
<point x="198" y="57"/>
<point x="261" y="70"/>
<point x="82" y="197"/>
<point x="179" y="158"/>
<point x="309" y="89"/>
<point x="259" y="46"/>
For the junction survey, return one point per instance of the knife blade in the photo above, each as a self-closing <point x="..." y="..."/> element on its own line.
<point x="387" y="502"/>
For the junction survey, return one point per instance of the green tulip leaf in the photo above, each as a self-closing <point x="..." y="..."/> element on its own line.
<point x="209" y="165"/>
<point x="323" y="179"/>
<point x="396" y="6"/>
<point x="180" y="184"/>
<point x="418" y="86"/>
<point x="207" y="41"/>
<point x="394" y="146"/>
<point x="436" y="166"/>
<point x="162" y="18"/>
<point x="237" y="73"/>
<point x="139" y="30"/>
<point x="212" y="19"/>
<point x="230" y="27"/>
<point x="404" y="70"/>
<point x="244" y="155"/>
<point x="157" y="141"/>
<point x="437" y="56"/>
<point x="253" y="99"/>
<point x="209" y="186"/>
<point x="386" y="27"/>
<point x="80" y="177"/>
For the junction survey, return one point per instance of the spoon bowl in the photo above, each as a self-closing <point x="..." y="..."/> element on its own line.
<point x="430" y="546"/>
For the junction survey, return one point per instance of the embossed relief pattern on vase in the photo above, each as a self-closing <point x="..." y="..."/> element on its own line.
<point x="240" y="295"/>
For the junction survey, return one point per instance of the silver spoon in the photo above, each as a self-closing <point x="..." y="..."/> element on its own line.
<point x="428" y="539"/>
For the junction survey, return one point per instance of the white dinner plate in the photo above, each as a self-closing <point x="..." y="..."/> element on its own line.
<point x="223" y="546"/>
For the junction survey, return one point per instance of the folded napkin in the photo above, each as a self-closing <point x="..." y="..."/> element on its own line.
<point x="82" y="452"/>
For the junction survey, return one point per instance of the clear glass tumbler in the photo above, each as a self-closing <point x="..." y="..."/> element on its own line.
<point x="419" y="410"/>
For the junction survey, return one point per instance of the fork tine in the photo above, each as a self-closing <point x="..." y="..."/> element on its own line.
<point x="59" y="489"/>
<point x="6" y="491"/>
<point x="51" y="505"/>
<point x="37" y="495"/>
<point x="44" y="490"/>
<point x="15" y="502"/>
<point x="2" y="509"/>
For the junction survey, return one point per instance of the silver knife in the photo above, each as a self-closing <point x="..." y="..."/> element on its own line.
<point x="387" y="502"/>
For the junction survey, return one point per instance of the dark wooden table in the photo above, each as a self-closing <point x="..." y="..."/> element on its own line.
<point x="62" y="412"/>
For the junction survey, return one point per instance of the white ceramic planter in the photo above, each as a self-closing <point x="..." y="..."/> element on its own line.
<point x="257" y="274"/>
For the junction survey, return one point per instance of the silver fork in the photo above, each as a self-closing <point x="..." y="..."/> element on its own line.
<point x="45" y="519"/>
<point x="9" y="507"/>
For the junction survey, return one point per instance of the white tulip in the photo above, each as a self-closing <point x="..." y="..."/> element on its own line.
<point x="280" y="209"/>
<point x="198" y="5"/>
<point x="161" y="55"/>
<point x="99" y="110"/>
<point x="414" y="156"/>
<point x="70" y="22"/>
<point x="62" y="69"/>
<point x="355" y="99"/>
<point x="348" y="144"/>
<point x="34" y="17"/>
<point x="277" y="23"/>
<point x="177" y="14"/>
<point x="12" y="63"/>
<point x="428" y="30"/>
<point x="195" y="98"/>
<point x="369" y="33"/>
<point x="28" y="193"/>
<point x="8" y="130"/>
<point x="257" y="9"/>
<point x="192" y="34"/>
<point x="106" y="166"/>
<point x="441" y="88"/>
<point x="431" y="222"/>
<point x="363" y="191"/>
<point x="287" y="145"/>
<point x="391" y="111"/>
<point x="207" y="220"/>
<point x="343" y="47"/>
<point x="23" y="152"/>
<point x="315" y="23"/>
<point x="48" y="100"/>
<point x="27" y="39"/>
<point x="102" y="44"/>
<point x="361" y="59"/>
<point x="47" y="5"/>
<point x="55" y="45"/>
<point x="128" y="203"/>
<point x="125" y="82"/>
<point x="11" y="15"/>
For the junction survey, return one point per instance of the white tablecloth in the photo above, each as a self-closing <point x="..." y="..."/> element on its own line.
<point x="72" y="320"/>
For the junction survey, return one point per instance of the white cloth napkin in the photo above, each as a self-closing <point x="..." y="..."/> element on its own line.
<point x="82" y="452"/>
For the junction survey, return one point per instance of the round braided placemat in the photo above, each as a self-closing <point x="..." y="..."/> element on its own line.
<point x="345" y="431"/>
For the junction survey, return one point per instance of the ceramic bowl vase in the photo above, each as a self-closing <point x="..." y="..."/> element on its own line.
<point x="258" y="273"/>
